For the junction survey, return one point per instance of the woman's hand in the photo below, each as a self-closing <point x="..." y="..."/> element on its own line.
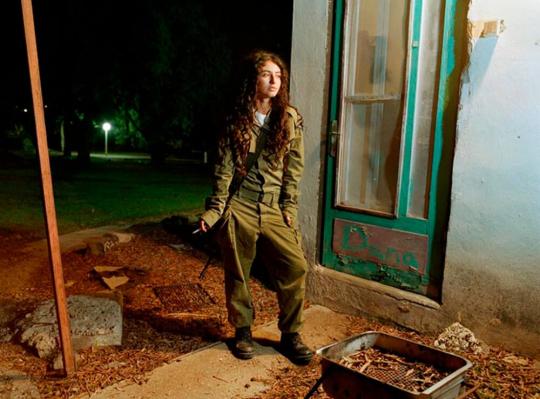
<point x="288" y="220"/>
<point x="203" y="226"/>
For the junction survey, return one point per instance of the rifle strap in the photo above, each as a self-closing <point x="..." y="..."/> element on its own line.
<point x="238" y="179"/>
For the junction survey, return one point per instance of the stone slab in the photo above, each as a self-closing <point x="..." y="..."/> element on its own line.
<point x="95" y="321"/>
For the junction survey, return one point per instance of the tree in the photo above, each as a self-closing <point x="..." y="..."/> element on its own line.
<point x="160" y="68"/>
<point x="185" y="76"/>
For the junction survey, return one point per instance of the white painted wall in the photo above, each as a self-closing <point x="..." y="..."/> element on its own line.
<point x="309" y="77"/>
<point x="492" y="271"/>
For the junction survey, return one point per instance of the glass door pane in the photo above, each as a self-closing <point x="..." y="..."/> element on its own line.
<point x="375" y="60"/>
<point x="424" y="115"/>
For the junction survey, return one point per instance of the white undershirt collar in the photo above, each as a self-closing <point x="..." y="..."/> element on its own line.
<point x="260" y="117"/>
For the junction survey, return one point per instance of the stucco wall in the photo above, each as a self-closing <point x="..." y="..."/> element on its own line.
<point x="492" y="270"/>
<point x="309" y="72"/>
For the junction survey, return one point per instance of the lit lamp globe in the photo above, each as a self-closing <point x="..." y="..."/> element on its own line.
<point x="106" y="127"/>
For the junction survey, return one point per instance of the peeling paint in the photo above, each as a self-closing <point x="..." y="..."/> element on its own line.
<point x="396" y="249"/>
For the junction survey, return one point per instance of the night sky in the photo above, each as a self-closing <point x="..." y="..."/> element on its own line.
<point x="98" y="56"/>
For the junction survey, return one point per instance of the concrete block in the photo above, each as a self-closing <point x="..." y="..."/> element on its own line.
<point x="95" y="321"/>
<point x="121" y="237"/>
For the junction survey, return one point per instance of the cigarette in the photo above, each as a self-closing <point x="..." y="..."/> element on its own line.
<point x="196" y="231"/>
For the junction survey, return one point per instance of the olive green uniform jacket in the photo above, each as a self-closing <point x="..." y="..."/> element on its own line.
<point x="262" y="178"/>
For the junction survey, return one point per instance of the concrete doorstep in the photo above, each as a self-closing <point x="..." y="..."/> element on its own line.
<point x="213" y="372"/>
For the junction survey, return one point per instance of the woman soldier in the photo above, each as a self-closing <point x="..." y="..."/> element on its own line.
<point x="255" y="195"/>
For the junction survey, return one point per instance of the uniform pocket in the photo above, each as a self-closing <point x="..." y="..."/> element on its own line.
<point x="223" y="220"/>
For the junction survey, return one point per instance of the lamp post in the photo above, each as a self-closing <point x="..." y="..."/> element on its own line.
<point x="106" y="127"/>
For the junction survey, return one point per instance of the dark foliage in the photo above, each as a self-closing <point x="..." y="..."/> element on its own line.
<point x="159" y="71"/>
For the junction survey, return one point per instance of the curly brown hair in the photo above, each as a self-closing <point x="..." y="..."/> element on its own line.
<point x="240" y="121"/>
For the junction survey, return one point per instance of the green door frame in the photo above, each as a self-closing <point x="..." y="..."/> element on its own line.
<point x="434" y="227"/>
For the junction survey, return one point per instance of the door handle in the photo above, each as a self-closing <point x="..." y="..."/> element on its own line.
<point x="334" y="138"/>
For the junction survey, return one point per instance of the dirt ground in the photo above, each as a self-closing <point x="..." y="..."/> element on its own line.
<point x="160" y="324"/>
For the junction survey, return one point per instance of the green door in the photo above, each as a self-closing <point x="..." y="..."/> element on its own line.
<point x="389" y="157"/>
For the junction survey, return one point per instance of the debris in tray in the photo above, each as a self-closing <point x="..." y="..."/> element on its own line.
<point x="411" y="375"/>
<point x="458" y="338"/>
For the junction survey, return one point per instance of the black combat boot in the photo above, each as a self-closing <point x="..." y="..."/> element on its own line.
<point x="243" y="344"/>
<point x="292" y="346"/>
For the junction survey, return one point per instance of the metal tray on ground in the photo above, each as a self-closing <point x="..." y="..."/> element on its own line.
<point x="340" y="381"/>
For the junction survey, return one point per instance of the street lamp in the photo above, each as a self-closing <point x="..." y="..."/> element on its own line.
<point x="106" y="127"/>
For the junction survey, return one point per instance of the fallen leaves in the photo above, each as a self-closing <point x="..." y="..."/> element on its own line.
<point x="149" y="262"/>
<point x="502" y="374"/>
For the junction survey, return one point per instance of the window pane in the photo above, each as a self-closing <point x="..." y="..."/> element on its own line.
<point x="370" y="164"/>
<point x="424" y="109"/>
<point x="372" y="106"/>
<point x="380" y="53"/>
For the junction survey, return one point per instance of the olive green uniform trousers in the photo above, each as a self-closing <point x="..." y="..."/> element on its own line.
<point x="255" y="226"/>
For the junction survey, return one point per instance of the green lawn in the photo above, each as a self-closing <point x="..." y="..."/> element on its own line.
<point x="106" y="192"/>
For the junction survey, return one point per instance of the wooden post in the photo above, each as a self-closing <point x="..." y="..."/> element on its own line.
<point x="46" y="184"/>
